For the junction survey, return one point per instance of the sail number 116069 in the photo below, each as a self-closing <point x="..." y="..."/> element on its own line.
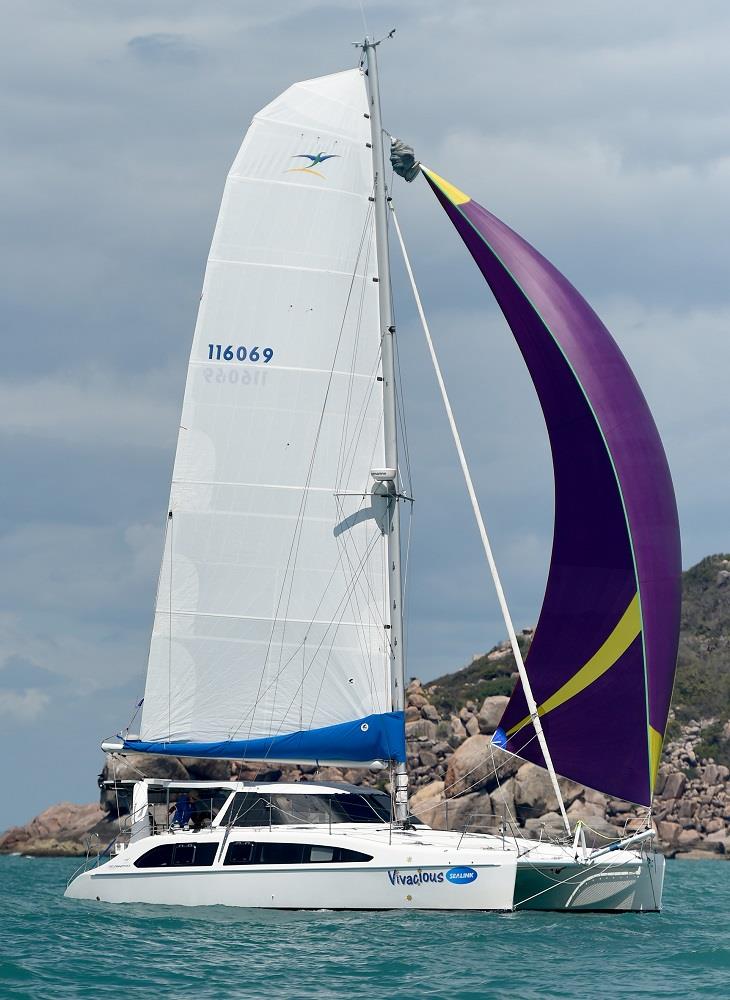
<point x="221" y="352"/>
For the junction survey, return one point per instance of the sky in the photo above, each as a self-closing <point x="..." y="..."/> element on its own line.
<point x="600" y="131"/>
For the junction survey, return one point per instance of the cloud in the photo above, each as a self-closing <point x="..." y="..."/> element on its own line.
<point x="78" y="604"/>
<point x="164" y="47"/>
<point x="26" y="706"/>
<point x="93" y="407"/>
<point x="603" y="138"/>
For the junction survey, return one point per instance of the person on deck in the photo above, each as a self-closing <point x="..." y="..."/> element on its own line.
<point x="183" y="810"/>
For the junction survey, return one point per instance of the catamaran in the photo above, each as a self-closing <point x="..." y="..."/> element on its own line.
<point x="278" y="628"/>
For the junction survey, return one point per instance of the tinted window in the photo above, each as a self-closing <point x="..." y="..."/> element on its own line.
<point x="184" y="855"/>
<point x="247" y="809"/>
<point x="178" y="856"/>
<point x="203" y="854"/>
<point x="344" y="854"/>
<point x="374" y="808"/>
<point x="158" y="857"/>
<point x="246" y="853"/>
<point x="321" y="855"/>
<point x="280" y="854"/>
<point x="253" y="809"/>
<point x="239" y="853"/>
<point x="301" y="809"/>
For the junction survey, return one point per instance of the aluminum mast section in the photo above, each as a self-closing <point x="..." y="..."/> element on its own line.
<point x="387" y="335"/>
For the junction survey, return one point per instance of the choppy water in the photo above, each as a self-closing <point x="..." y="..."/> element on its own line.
<point x="56" y="948"/>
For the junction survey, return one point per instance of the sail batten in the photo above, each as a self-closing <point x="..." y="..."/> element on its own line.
<point x="602" y="661"/>
<point x="270" y="626"/>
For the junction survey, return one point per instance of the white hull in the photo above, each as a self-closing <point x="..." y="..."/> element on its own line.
<point x="404" y="873"/>
<point x="410" y="870"/>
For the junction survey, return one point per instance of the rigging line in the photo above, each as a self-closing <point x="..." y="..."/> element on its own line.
<point x="316" y="652"/>
<point x="364" y="564"/>
<point x="334" y="624"/>
<point x="313" y="456"/>
<point x="116" y="792"/>
<point x="368" y="390"/>
<point x="402" y="424"/>
<point x="364" y="636"/>
<point x="400" y="395"/>
<point x="381" y="599"/>
<point x="134" y="716"/>
<point x="303" y="500"/>
<point x="517" y="652"/>
<point x="479" y="764"/>
<point x="362" y="14"/>
<point x="169" y="643"/>
<point x="357" y="611"/>
<point x="351" y="379"/>
<point x="301" y="699"/>
<point x="252" y="710"/>
<point x="360" y="424"/>
<point x="309" y="624"/>
<point x="379" y="533"/>
<point x="406" y="592"/>
<point x="350" y="593"/>
<point x="158" y="589"/>
<point x="366" y="493"/>
<point x="499" y="784"/>
<point x="400" y="409"/>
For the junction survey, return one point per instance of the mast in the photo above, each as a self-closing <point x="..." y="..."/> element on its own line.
<point x="387" y="334"/>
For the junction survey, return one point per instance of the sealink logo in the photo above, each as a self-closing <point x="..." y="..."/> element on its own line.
<point x="460" y="876"/>
<point x="315" y="159"/>
<point x="417" y="878"/>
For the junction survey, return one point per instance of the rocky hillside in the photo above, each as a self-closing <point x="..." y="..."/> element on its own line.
<point x="458" y="779"/>
<point x="702" y="688"/>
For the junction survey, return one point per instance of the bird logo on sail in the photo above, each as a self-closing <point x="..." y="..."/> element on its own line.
<point x="314" y="159"/>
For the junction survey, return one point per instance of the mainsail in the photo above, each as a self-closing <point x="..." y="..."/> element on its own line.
<point x="270" y="636"/>
<point x="602" y="661"/>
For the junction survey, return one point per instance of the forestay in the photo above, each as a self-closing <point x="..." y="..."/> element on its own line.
<point x="270" y="631"/>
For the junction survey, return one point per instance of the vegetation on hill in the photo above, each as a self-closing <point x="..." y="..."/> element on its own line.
<point x="492" y="673"/>
<point x="702" y="687"/>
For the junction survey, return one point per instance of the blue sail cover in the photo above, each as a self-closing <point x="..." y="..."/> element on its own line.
<point x="376" y="737"/>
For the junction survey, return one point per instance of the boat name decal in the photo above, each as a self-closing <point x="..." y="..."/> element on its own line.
<point x="418" y="878"/>
<point x="460" y="876"/>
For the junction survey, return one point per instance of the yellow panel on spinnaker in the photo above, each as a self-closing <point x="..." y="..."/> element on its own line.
<point x="612" y="649"/>
<point x="452" y="193"/>
<point x="656" y="741"/>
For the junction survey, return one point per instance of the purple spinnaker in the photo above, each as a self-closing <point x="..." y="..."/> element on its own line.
<point x="602" y="661"/>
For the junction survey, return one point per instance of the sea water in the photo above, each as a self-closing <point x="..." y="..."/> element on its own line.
<point x="51" y="947"/>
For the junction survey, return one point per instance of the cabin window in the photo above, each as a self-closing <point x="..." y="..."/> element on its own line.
<point x="374" y="808"/>
<point x="280" y="809"/>
<point x="321" y="855"/>
<point x="281" y="854"/>
<point x="158" y="857"/>
<point x="267" y="853"/>
<point x="239" y="853"/>
<point x="185" y="855"/>
<point x="247" y="809"/>
<point x="345" y="854"/>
